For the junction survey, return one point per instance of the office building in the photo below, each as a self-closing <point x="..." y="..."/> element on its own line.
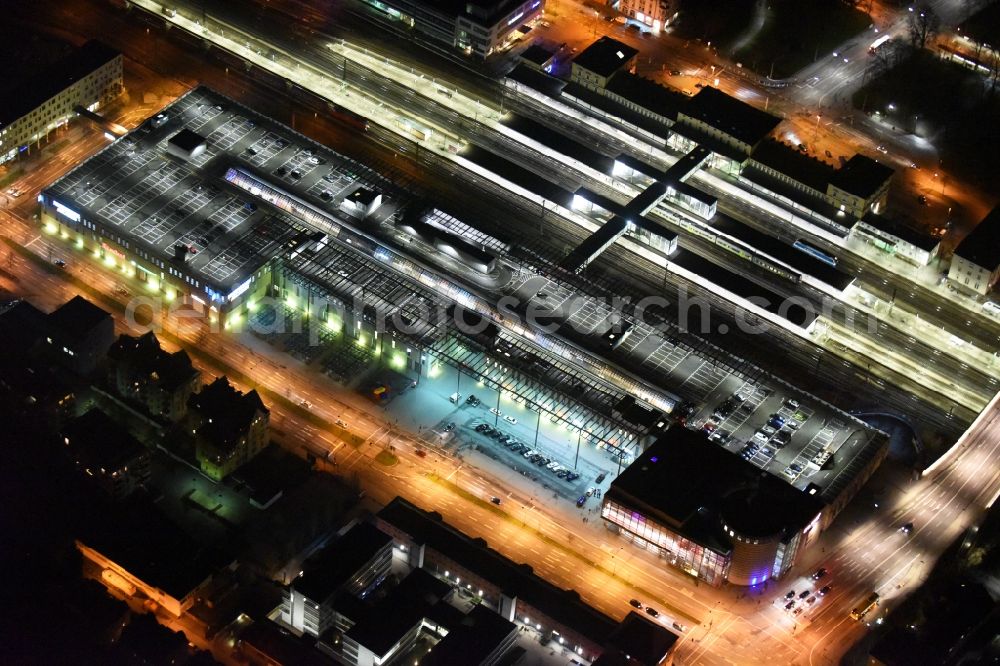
<point x="106" y="454"/>
<point x="89" y="78"/>
<point x="710" y="513"/>
<point x="976" y="262"/>
<point x="477" y="27"/>
<point x="504" y="586"/>
<point x="142" y="372"/>
<point x="229" y="427"/>
<point x="354" y="564"/>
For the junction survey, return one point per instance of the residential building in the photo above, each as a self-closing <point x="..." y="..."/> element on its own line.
<point x="711" y="513"/>
<point x="654" y="14"/>
<point x="595" y="66"/>
<point x="229" y="427"/>
<point x="141" y="371"/>
<point x="479" y="27"/>
<point x="976" y="262"/>
<point x="89" y="78"/>
<point x="26" y="378"/>
<point x="354" y="564"/>
<point x="106" y="453"/>
<point x="80" y="334"/>
<point x="860" y="186"/>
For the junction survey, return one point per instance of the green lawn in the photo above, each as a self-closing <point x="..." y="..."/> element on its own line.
<point x="386" y="458"/>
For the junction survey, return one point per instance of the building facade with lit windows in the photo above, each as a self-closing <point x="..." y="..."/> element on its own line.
<point x="229" y="427"/>
<point x="975" y="265"/>
<point x="654" y="14"/>
<point x="479" y="27"/>
<point x="89" y="78"/>
<point x="710" y="513"/>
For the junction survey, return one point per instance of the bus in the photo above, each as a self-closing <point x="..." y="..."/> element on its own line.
<point x="877" y="43"/>
<point x="810" y="249"/>
<point x="870" y="603"/>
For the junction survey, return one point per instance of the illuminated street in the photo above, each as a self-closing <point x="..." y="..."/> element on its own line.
<point x="921" y="353"/>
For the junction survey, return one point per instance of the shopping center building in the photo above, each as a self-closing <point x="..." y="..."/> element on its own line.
<point x="710" y="513"/>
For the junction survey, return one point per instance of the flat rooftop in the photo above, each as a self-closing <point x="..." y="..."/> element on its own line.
<point x="157" y="202"/>
<point x="982" y="245"/>
<point x="605" y="56"/>
<point x="333" y="567"/>
<point x="560" y="143"/>
<point x="785" y="159"/>
<point x="861" y="176"/>
<point x="693" y="485"/>
<point x="906" y="233"/>
<point x="648" y="94"/>
<point x="728" y="114"/>
<point x="53" y="80"/>
<point x="562" y="606"/>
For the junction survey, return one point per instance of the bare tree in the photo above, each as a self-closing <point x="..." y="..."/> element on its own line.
<point x="992" y="62"/>
<point x="923" y="24"/>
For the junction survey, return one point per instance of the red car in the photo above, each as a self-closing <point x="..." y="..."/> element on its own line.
<point x="421" y="453"/>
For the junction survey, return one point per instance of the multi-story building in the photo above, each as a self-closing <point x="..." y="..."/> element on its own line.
<point x="728" y="126"/>
<point x="710" y="513"/>
<point x="106" y="453"/>
<point x="595" y="66"/>
<point x="480" y="27"/>
<point x="976" y="262"/>
<point x="80" y="334"/>
<point x="229" y="427"/>
<point x="141" y="371"/>
<point x="507" y="587"/>
<point x="655" y="14"/>
<point x="89" y="78"/>
<point x="859" y="187"/>
<point x="354" y="564"/>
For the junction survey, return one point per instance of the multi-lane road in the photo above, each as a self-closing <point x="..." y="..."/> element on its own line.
<point x="729" y="629"/>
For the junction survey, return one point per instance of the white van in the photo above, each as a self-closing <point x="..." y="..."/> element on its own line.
<point x="455" y="397"/>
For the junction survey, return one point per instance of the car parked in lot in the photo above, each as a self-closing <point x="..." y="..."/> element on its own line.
<point x="776" y="421"/>
<point x="790" y="594"/>
<point x="635" y="603"/>
<point x="805" y="594"/>
<point x="581" y="500"/>
<point x="792" y="403"/>
<point x="652" y="611"/>
<point x="790" y="605"/>
<point x="819" y="573"/>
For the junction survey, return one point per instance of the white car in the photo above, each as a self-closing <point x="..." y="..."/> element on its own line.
<point x="495" y="411"/>
<point x="510" y="419"/>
